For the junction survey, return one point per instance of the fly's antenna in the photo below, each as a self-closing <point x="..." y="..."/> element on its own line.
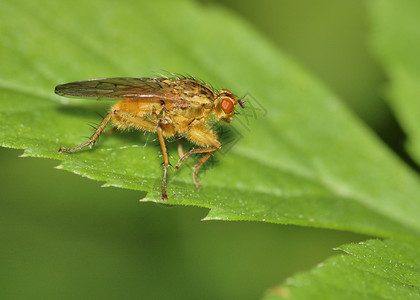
<point x="241" y="102"/>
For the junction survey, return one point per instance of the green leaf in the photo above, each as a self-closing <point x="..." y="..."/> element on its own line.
<point x="299" y="158"/>
<point x="396" y="40"/>
<point x="369" y="270"/>
<point x="378" y="269"/>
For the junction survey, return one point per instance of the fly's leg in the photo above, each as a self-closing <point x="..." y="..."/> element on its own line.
<point x="165" y="160"/>
<point x="141" y="123"/>
<point x="180" y="149"/>
<point x="110" y="131"/>
<point x="94" y="137"/>
<point x="201" y="135"/>
<point x="209" y="151"/>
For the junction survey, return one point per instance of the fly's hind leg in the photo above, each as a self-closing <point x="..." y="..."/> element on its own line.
<point x="94" y="137"/>
<point x="110" y="131"/>
<point x="200" y="135"/>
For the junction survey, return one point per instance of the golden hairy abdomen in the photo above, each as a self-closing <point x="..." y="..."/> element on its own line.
<point x="137" y="107"/>
<point x="146" y="115"/>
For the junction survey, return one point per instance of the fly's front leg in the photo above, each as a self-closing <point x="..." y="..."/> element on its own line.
<point x="180" y="149"/>
<point x="201" y="135"/>
<point x="165" y="160"/>
<point x="94" y="137"/>
<point x="209" y="151"/>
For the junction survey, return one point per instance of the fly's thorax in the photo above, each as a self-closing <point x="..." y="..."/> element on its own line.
<point x="184" y="118"/>
<point x="224" y="105"/>
<point x="189" y="90"/>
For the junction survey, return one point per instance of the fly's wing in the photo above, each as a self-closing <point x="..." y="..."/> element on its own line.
<point x="117" y="88"/>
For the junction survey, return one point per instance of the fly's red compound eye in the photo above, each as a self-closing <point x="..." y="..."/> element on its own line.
<point x="227" y="105"/>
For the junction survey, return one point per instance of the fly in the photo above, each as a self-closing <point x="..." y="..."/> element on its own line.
<point x="170" y="107"/>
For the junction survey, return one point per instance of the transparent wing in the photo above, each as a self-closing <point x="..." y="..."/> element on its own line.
<point x="117" y="88"/>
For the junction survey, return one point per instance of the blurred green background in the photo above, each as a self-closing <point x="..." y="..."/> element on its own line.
<point x="63" y="236"/>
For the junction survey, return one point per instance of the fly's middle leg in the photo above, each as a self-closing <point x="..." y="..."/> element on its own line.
<point x="124" y="120"/>
<point x="165" y="160"/>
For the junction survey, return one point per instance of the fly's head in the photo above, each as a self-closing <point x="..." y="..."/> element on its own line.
<point x="224" y="105"/>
